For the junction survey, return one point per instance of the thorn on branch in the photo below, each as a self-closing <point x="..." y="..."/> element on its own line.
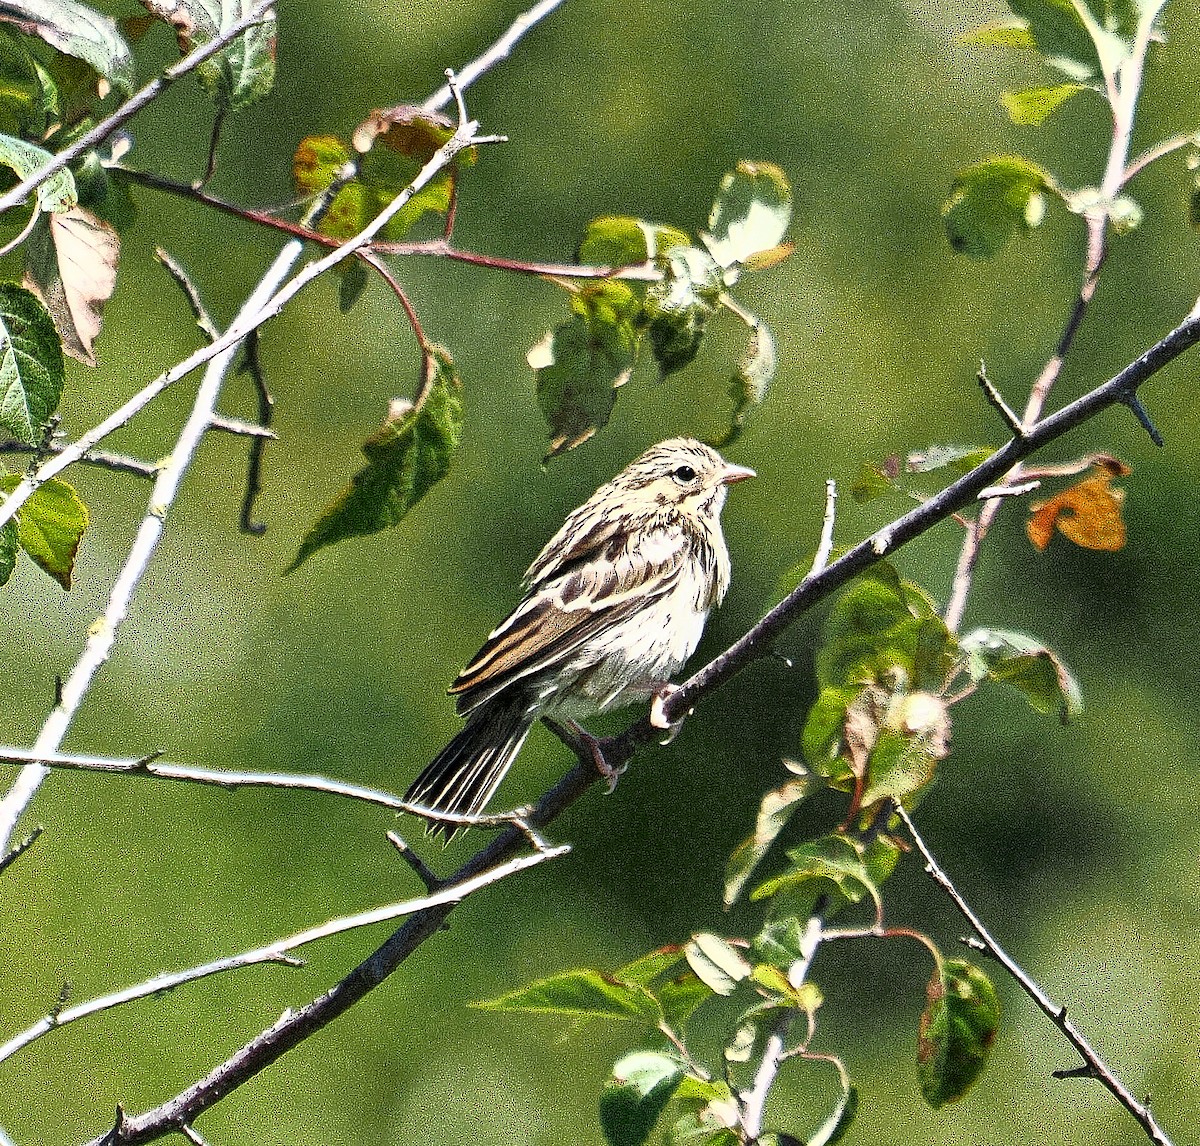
<point x="190" y="292"/>
<point x="1139" y="412"/>
<point x="1084" y="1070"/>
<point x="999" y="404"/>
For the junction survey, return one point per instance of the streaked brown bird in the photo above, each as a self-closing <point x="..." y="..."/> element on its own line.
<point x="614" y="605"/>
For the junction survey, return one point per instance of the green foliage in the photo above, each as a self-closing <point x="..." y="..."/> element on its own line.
<point x="749" y="216"/>
<point x="31" y="365"/>
<point x="991" y="200"/>
<point x="241" y="73"/>
<point x="585" y="994"/>
<point x="1026" y="664"/>
<point x="49" y="527"/>
<point x="579" y="365"/>
<point x="638" y="1092"/>
<point x="387" y="150"/>
<point x="406" y="457"/>
<point x="678" y="306"/>
<point x="54" y="194"/>
<point x="958" y="1027"/>
<point x="79" y="31"/>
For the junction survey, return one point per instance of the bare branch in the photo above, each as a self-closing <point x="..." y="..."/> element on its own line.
<point x="1094" y="1066"/>
<point x="119" y="463"/>
<point x="277" y="952"/>
<point x="103" y="633"/>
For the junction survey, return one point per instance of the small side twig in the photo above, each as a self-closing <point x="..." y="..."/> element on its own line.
<point x="997" y="401"/>
<point x="16" y="852"/>
<point x="276" y="952"/>
<point x="253" y="367"/>
<point x="1094" y="1066"/>
<point x="118" y="463"/>
<point x="420" y="868"/>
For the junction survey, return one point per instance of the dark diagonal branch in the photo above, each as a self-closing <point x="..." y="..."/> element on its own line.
<point x="1093" y="1065"/>
<point x="295" y="1026"/>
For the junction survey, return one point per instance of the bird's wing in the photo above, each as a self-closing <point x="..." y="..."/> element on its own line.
<point x="562" y="612"/>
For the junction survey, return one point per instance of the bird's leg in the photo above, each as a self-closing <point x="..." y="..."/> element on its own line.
<point x="586" y="747"/>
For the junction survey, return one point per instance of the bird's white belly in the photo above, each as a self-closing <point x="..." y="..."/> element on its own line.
<point x="630" y="661"/>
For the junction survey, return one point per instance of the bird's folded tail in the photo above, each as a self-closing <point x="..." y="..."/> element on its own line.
<point x="462" y="777"/>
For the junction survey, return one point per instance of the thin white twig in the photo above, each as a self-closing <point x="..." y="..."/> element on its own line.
<point x="825" y="546"/>
<point x="103" y="633"/>
<point x="134" y="104"/>
<point x="276" y="952"/>
<point x="500" y="50"/>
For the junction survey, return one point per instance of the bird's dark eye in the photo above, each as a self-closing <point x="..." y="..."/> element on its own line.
<point x="684" y="474"/>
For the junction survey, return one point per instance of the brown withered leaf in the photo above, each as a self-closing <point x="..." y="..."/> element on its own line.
<point x="71" y="265"/>
<point x="1087" y="513"/>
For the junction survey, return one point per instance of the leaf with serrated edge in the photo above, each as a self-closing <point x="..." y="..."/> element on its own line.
<point x="31" y="364"/>
<point x="957" y="1029"/>
<point x="50" y="526"/>
<point x="239" y="74"/>
<point x="405" y="458"/>
<point x="581" y="993"/>
<point x="79" y="31"/>
<point x="750" y="214"/>
<point x="677" y="309"/>
<point x="71" y="265"/>
<point x="54" y="194"/>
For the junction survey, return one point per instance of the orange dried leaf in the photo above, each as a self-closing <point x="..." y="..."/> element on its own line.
<point x="1088" y="513"/>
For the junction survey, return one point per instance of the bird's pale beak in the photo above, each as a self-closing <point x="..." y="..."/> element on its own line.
<point x="733" y="473"/>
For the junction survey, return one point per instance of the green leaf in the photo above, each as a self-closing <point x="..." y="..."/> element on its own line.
<point x="405" y="459"/>
<point x="750" y="214"/>
<point x="622" y="240"/>
<point x="49" y="526"/>
<point x="717" y="963"/>
<point x="54" y="194"/>
<point x="27" y="93"/>
<point x="638" y="1092"/>
<point x="831" y="866"/>
<point x="676" y="310"/>
<point x="774" y="813"/>
<point x="1061" y="36"/>
<point x="583" y="994"/>
<point x="1028" y="107"/>
<point x="579" y="365"/>
<point x="238" y="75"/>
<point x="990" y="200"/>
<point x="665" y="975"/>
<point x="9" y="547"/>
<point x="76" y="30"/>
<point x="1000" y="34"/>
<point x="1027" y="665"/>
<point x="957" y="1029"/>
<point x="877" y="625"/>
<point x="31" y="365"/>
<point x="753" y="377"/>
<point x="959" y="459"/>
<point x="821" y="740"/>
<point x="389" y="148"/>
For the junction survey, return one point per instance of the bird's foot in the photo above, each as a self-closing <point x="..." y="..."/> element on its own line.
<point x="609" y="773"/>
<point x="658" y="712"/>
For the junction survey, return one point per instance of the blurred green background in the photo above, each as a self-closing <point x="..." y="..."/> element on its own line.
<point x="1079" y="845"/>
